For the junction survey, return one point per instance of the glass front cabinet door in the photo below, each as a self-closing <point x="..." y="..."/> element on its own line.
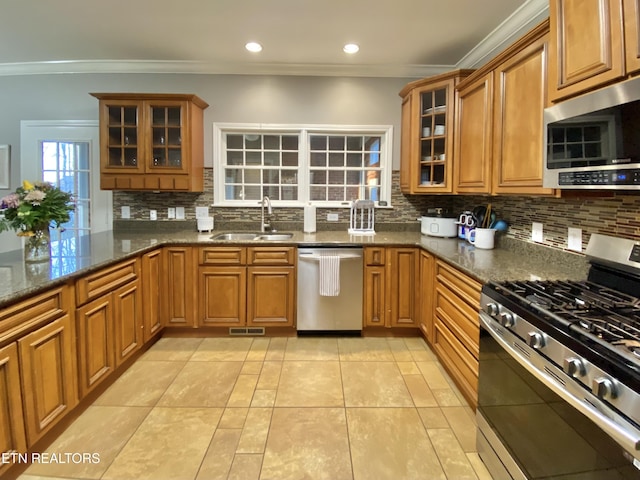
<point x="427" y="137"/>
<point x="151" y="142"/>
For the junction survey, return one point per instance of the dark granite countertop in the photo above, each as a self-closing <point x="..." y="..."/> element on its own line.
<point x="511" y="260"/>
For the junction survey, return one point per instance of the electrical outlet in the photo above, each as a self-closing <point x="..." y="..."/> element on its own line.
<point x="536" y="232"/>
<point x="180" y="213"/>
<point x="332" y="217"/>
<point x="125" y="212"/>
<point x="153" y="214"/>
<point x="171" y="212"/>
<point x="574" y="239"/>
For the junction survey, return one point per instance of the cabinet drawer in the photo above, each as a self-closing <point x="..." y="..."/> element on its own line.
<point x="43" y="308"/>
<point x="271" y="256"/>
<point x="465" y="287"/>
<point x="223" y="256"/>
<point x="106" y="280"/>
<point x="374" y="256"/>
<point x="459" y="317"/>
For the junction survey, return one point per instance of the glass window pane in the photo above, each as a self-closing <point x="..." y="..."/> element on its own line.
<point x="318" y="177"/>
<point x="234" y="141"/>
<point x="354" y="144"/>
<point x="336" y="159"/>
<point x="290" y="142"/>
<point x="353" y="177"/>
<point x="252" y="176"/>
<point x="271" y="176"/>
<point x="272" y="142"/>
<point x="289" y="192"/>
<point x="336" y="143"/>
<point x="233" y="175"/>
<point x="234" y="192"/>
<point x="335" y="194"/>
<point x="289" y="176"/>
<point x="354" y="160"/>
<point x="336" y="177"/>
<point x="272" y="158"/>
<point x="318" y="143"/>
<point x="372" y="144"/>
<point x="290" y="159"/>
<point x="254" y="158"/>
<point x="318" y="194"/>
<point x="252" y="141"/>
<point x="318" y="159"/>
<point x="252" y="193"/>
<point x="234" y="158"/>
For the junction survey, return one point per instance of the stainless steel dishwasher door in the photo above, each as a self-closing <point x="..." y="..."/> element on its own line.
<point x="337" y="313"/>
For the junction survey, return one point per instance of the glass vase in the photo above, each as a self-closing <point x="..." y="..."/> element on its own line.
<point x="37" y="247"/>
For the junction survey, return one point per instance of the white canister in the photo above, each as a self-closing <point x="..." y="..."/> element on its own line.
<point x="309" y="219"/>
<point x="205" y="224"/>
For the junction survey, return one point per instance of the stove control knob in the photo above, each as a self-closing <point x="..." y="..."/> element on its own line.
<point x="535" y="340"/>
<point x="603" y="388"/>
<point x="492" y="309"/>
<point x="507" y="319"/>
<point x="574" y="367"/>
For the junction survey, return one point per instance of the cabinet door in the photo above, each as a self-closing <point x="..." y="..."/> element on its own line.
<point x="180" y="272"/>
<point x="375" y="305"/>
<point x="425" y="296"/>
<point x="271" y="296"/>
<point x="222" y="296"/>
<point x="151" y="305"/>
<point x="473" y="137"/>
<point x="586" y="45"/>
<point x="127" y="311"/>
<point x="12" y="435"/>
<point x="167" y="143"/>
<point x="96" y="352"/>
<point x="402" y="271"/>
<point x="632" y="34"/>
<point x="121" y="140"/>
<point x="47" y="361"/>
<point x="406" y="145"/>
<point x="519" y="101"/>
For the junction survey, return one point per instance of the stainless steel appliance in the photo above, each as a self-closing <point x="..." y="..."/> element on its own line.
<point x="342" y="312"/>
<point x="559" y="375"/>
<point x="591" y="140"/>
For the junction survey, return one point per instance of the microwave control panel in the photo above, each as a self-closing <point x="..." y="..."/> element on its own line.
<point x="629" y="177"/>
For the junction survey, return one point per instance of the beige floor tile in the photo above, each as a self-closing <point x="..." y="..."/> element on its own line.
<point x="433" y="375"/>
<point x="365" y="349"/>
<point x="202" y="384"/>
<point x="251" y="368"/>
<point x="87" y="434"/>
<point x="390" y="443"/>
<point x="169" y="444"/>
<point x="463" y="426"/>
<point x="222" y="349"/>
<point x="219" y="457"/>
<point x="433" y="418"/>
<point x="452" y="457"/>
<point x="399" y="350"/>
<point x="408" y="368"/>
<point x="310" y="384"/>
<point x="233" y="418"/>
<point x="311" y="348"/>
<point x="141" y="385"/>
<point x="420" y="392"/>
<point x="245" y="467"/>
<point x="307" y="443"/>
<point x="255" y="431"/>
<point x="446" y="397"/>
<point x="264" y="398"/>
<point x="39" y="477"/>
<point x="275" y="352"/>
<point x="374" y="384"/>
<point x="243" y="391"/>
<point x="258" y="350"/>
<point x="423" y="356"/>
<point x="479" y="467"/>
<point x="269" y="376"/>
<point x="172" y="349"/>
<point x="415" y="343"/>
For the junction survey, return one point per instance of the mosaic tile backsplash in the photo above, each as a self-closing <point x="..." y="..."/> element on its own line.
<point x="617" y="215"/>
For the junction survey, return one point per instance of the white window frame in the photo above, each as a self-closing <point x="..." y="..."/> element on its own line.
<point x="304" y="130"/>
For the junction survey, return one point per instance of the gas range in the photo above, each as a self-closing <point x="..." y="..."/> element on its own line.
<point x="581" y="339"/>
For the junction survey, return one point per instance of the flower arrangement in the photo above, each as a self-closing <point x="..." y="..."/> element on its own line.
<point x="33" y="207"/>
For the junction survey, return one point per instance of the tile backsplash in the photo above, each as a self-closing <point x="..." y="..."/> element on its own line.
<point x="617" y="215"/>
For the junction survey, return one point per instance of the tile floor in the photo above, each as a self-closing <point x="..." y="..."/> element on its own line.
<point x="275" y="408"/>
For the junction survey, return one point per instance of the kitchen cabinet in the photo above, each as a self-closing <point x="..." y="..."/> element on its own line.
<point x="425" y="296"/>
<point x="587" y="47"/>
<point x="456" y="328"/>
<point x="151" y="142"/>
<point x="390" y="287"/>
<point x="180" y="272"/>
<point x="631" y="12"/>
<point x="151" y="267"/>
<point x="426" y="148"/>
<point x="13" y="438"/>
<point x="109" y="321"/>
<point x="247" y="286"/>
<point x="499" y="126"/>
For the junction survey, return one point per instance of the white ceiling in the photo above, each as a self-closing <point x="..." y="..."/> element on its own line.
<point x="397" y="38"/>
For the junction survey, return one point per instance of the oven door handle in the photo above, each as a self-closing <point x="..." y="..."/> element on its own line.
<point x="628" y="440"/>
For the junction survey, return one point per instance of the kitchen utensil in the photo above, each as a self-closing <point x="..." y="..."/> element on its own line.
<point x="478" y="213"/>
<point x="439" y="224"/>
<point x="487" y="218"/>
<point x="500" y="225"/>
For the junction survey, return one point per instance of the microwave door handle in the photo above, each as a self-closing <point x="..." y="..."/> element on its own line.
<point x="627" y="439"/>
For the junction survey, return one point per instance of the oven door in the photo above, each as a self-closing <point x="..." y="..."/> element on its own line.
<point x="526" y="431"/>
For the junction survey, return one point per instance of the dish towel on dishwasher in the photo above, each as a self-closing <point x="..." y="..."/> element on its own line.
<point x="329" y="277"/>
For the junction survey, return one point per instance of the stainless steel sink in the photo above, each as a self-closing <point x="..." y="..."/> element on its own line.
<point x="251" y="236"/>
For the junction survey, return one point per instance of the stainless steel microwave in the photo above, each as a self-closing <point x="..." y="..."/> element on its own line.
<point x="593" y="141"/>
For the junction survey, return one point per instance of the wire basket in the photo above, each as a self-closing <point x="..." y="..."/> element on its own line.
<point x="362" y="218"/>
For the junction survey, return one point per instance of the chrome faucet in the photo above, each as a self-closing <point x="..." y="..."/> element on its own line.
<point x="265" y="226"/>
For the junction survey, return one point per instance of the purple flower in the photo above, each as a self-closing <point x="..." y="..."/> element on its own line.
<point x="10" y="201"/>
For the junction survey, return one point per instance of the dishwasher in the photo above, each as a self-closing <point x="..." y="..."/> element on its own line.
<point x="338" y="313"/>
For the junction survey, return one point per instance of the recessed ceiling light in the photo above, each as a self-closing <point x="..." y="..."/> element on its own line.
<point x="253" y="47"/>
<point x="350" y="48"/>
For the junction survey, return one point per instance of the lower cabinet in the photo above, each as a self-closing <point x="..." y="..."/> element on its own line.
<point x="223" y="296"/>
<point x="13" y="438"/>
<point x="152" y="312"/>
<point x="271" y="296"/>
<point x="180" y="270"/>
<point x="456" y="329"/>
<point x="425" y="297"/>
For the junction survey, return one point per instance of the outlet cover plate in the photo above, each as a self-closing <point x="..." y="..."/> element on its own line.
<point x="180" y="213"/>
<point x="125" y="212"/>
<point x="153" y="214"/>
<point x="536" y="232"/>
<point x="171" y="212"/>
<point x="332" y="217"/>
<point x="574" y="239"/>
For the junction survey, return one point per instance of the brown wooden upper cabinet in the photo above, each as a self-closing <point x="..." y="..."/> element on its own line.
<point x="426" y="149"/>
<point x="588" y="44"/>
<point x="151" y="142"/>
